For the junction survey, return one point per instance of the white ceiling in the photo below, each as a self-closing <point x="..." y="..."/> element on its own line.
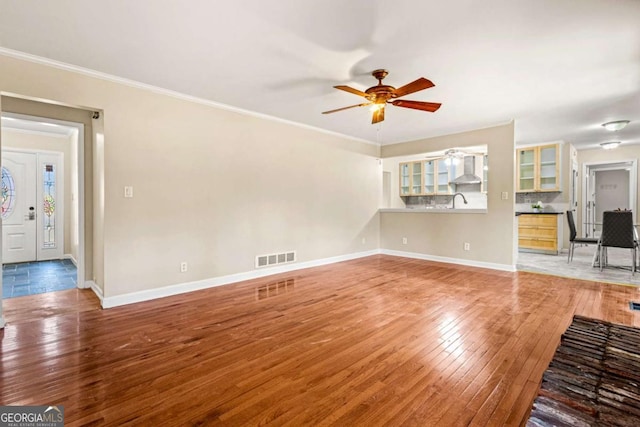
<point x="559" y="68"/>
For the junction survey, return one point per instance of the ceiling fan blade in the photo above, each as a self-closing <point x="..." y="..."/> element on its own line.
<point x="351" y="90"/>
<point x="417" y="105"/>
<point x="378" y="116"/>
<point x="346" y="108"/>
<point x="414" y="86"/>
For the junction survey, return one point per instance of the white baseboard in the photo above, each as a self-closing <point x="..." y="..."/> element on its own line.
<point x="180" y="288"/>
<point x="459" y="261"/>
<point x="118" y="300"/>
<point x="73" y="260"/>
<point x="95" y="288"/>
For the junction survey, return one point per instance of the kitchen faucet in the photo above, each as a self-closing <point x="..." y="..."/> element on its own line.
<point x="454" y="199"/>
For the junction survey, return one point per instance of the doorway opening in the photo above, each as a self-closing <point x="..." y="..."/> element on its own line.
<point x="41" y="205"/>
<point x="607" y="186"/>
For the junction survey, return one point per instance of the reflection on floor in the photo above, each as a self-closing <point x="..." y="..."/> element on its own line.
<point x="618" y="270"/>
<point x="30" y="278"/>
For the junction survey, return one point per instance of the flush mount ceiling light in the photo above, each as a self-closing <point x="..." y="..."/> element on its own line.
<point x="617" y="125"/>
<point x="610" y="145"/>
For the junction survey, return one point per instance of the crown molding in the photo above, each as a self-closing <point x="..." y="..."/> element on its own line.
<point x="167" y="92"/>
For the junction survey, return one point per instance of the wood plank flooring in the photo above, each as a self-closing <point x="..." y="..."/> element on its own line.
<point x="376" y="341"/>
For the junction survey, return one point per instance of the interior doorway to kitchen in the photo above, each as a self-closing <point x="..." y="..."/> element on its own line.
<point x="607" y="186"/>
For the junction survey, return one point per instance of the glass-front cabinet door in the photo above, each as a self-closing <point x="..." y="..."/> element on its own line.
<point x="443" y="177"/>
<point x="548" y="175"/>
<point x="538" y="168"/>
<point x="526" y="169"/>
<point x="429" y="177"/>
<point x="416" y="178"/>
<point x="485" y="173"/>
<point x="405" y="176"/>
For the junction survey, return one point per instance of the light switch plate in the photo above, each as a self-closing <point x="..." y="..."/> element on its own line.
<point x="505" y="195"/>
<point x="128" y="191"/>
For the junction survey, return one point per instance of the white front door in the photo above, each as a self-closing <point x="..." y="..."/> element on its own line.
<point x="18" y="207"/>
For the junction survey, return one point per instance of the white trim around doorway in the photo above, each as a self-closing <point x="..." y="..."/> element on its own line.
<point x="623" y="164"/>
<point x="81" y="282"/>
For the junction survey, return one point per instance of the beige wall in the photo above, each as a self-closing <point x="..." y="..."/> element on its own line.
<point x="491" y="235"/>
<point x="212" y="187"/>
<point x="30" y="141"/>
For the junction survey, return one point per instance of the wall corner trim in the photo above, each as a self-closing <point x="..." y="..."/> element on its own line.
<point x="180" y="288"/>
<point x="95" y="288"/>
<point x="459" y="261"/>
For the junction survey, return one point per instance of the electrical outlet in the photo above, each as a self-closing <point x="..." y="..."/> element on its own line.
<point x="128" y="191"/>
<point x="505" y="195"/>
<point x="404" y="240"/>
<point x="467" y="246"/>
<point x="183" y="267"/>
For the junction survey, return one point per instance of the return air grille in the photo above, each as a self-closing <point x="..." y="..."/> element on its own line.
<point x="275" y="259"/>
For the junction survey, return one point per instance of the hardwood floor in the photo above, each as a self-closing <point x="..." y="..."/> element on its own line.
<point x="375" y="341"/>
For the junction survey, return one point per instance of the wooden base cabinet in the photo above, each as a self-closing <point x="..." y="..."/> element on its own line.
<point x="538" y="233"/>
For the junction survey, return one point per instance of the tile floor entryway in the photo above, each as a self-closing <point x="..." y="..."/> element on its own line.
<point x="38" y="277"/>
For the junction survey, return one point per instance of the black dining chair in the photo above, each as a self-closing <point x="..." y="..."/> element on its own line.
<point x="617" y="232"/>
<point x="574" y="240"/>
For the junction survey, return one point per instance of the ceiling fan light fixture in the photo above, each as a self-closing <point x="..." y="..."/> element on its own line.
<point x="610" y="145"/>
<point x="615" y="125"/>
<point x="453" y="156"/>
<point x="380" y="95"/>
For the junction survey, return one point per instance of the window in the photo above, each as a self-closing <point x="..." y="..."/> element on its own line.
<point x="8" y="193"/>
<point x="49" y="206"/>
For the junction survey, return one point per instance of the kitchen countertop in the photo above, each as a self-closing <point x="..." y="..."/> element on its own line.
<point x="433" y="210"/>
<point x="540" y="213"/>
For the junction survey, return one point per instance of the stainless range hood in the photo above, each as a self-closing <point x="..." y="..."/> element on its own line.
<point x="469" y="176"/>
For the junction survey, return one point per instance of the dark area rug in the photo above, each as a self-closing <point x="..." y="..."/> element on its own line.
<point x="593" y="378"/>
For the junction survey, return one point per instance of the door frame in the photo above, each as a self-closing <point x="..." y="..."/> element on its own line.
<point x="81" y="282"/>
<point x="624" y="164"/>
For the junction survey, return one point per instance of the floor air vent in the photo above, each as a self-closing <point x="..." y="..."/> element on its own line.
<point x="275" y="259"/>
<point x="634" y="305"/>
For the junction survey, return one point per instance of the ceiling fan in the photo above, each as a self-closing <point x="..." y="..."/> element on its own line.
<point x="380" y="95"/>
<point x="454" y="155"/>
